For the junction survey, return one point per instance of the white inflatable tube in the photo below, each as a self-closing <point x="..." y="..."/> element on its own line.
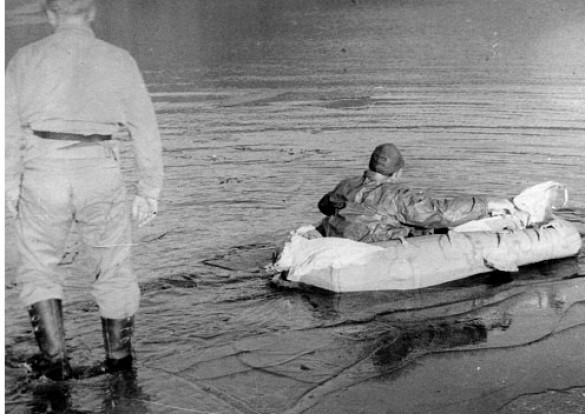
<point x="436" y="259"/>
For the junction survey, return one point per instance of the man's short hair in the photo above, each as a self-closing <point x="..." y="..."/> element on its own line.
<point x="69" y="7"/>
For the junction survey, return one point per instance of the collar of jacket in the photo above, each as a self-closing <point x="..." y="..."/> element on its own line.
<point x="378" y="178"/>
<point x="74" y="28"/>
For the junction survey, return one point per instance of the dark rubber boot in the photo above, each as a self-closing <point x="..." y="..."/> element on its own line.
<point x="47" y="321"/>
<point x="118" y="343"/>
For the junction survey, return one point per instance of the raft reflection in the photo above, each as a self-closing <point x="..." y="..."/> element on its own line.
<point x="409" y="341"/>
<point x="487" y="311"/>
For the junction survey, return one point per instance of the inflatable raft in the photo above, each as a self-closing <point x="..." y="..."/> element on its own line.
<point x="342" y="265"/>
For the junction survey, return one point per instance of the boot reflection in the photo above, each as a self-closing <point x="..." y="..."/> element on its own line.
<point x="123" y="395"/>
<point x="51" y="397"/>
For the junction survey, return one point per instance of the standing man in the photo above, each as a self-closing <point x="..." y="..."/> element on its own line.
<point x="66" y="96"/>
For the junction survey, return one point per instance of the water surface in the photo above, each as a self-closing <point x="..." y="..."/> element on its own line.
<point x="263" y="107"/>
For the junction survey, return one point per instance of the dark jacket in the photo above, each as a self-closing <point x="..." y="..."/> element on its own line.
<point x="365" y="209"/>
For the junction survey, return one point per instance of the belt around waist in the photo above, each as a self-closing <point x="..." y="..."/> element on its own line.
<point x="65" y="136"/>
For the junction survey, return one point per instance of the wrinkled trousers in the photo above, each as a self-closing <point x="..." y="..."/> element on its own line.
<point x="89" y="193"/>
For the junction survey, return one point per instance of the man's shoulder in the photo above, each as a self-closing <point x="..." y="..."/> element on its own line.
<point x="117" y="57"/>
<point x="33" y="46"/>
<point x="350" y="182"/>
<point x="55" y="39"/>
<point x="353" y="180"/>
<point x="27" y="52"/>
<point x="112" y="48"/>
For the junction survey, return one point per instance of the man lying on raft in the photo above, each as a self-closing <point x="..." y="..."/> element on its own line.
<point x="377" y="207"/>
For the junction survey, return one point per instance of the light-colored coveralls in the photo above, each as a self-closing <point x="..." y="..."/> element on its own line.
<point x="71" y="82"/>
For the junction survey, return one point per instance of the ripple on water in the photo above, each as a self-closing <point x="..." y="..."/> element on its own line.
<point x="482" y="98"/>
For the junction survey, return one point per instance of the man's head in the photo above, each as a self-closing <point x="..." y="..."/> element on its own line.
<point x="72" y="11"/>
<point x="386" y="160"/>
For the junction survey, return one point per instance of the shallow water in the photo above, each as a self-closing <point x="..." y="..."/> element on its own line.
<point x="263" y="107"/>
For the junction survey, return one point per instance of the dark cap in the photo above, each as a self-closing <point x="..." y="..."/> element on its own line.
<point x="386" y="159"/>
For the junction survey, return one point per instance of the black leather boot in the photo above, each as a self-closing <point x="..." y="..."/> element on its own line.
<point x="47" y="321"/>
<point x="118" y="343"/>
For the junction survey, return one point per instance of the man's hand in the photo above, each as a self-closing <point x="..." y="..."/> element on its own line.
<point x="499" y="206"/>
<point x="12" y="208"/>
<point x="144" y="210"/>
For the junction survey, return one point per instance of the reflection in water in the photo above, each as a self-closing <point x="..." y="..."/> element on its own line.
<point x="119" y="394"/>
<point x="51" y="398"/>
<point x="123" y="395"/>
<point x="467" y="296"/>
<point x="264" y="105"/>
<point x="384" y="353"/>
<point x="410" y="343"/>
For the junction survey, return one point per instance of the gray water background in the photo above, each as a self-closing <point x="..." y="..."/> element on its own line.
<point x="263" y="107"/>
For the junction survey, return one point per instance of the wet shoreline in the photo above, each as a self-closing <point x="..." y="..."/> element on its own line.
<point x="259" y="118"/>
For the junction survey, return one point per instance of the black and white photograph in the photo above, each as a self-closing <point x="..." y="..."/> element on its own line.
<point x="294" y="206"/>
